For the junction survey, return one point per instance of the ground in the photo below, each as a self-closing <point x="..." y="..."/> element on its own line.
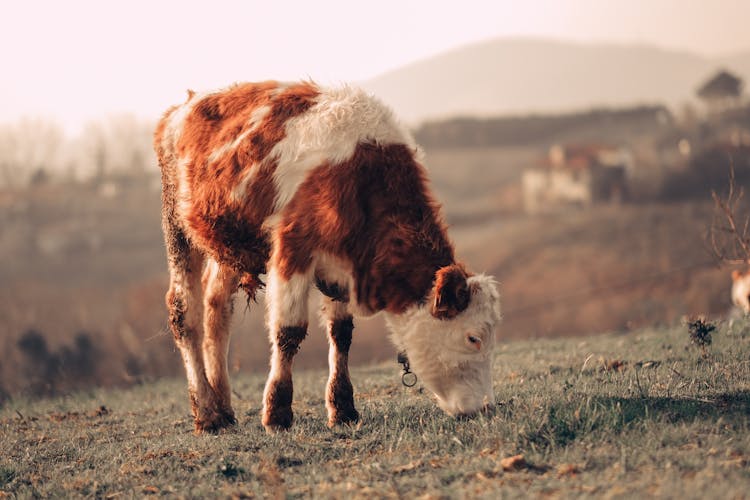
<point x="628" y="415"/>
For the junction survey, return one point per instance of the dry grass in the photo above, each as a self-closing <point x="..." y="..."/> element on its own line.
<point x="643" y="414"/>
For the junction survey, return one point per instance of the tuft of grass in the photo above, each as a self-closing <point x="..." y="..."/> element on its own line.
<point x="6" y="476"/>
<point x="656" y="421"/>
<point x="700" y="331"/>
<point x="231" y="471"/>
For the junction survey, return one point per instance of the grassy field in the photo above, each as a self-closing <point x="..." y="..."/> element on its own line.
<point x="645" y="413"/>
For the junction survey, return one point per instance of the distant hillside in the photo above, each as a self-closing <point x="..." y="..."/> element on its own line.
<point x="523" y="75"/>
<point x="613" y="125"/>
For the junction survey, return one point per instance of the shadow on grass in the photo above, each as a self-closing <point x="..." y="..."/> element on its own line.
<point x="731" y="407"/>
<point x="567" y="422"/>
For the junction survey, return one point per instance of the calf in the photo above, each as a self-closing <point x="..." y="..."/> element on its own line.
<point x="741" y="290"/>
<point x="310" y="186"/>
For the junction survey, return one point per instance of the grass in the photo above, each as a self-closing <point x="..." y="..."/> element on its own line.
<point x="614" y="415"/>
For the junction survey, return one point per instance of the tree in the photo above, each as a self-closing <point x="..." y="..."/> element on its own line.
<point x="118" y="145"/>
<point x="722" y="91"/>
<point x="729" y="233"/>
<point x="27" y="147"/>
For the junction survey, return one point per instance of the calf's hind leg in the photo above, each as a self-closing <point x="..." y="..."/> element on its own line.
<point x="339" y="391"/>
<point x="184" y="303"/>
<point x="219" y="285"/>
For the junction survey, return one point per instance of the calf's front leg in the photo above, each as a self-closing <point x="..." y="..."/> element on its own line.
<point x="339" y="391"/>
<point x="287" y="327"/>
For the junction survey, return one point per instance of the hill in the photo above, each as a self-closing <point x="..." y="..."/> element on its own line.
<point x="638" y="415"/>
<point x="520" y="76"/>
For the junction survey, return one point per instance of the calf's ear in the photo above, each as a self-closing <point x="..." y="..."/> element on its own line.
<point x="736" y="275"/>
<point x="451" y="292"/>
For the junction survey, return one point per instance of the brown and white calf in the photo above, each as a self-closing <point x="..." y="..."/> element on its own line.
<point x="741" y="290"/>
<point x="322" y="187"/>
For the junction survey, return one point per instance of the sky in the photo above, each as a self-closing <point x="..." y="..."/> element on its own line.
<point x="79" y="60"/>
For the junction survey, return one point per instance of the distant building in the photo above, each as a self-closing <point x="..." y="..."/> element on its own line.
<point x="577" y="176"/>
<point x="721" y="92"/>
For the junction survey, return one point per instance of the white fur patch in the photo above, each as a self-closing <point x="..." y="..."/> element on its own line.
<point x="176" y="122"/>
<point x="286" y="300"/>
<point x="172" y="133"/>
<point x="329" y="132"/>
<point x="256" y="118"/>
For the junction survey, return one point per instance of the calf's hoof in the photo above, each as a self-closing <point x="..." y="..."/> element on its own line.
<point x="346" y="417"/>
<point x="214" y="422"/>
<point x="277" y="419"/>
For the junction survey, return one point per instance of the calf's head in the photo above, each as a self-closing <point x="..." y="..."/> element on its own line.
<point x="449" y="340"/>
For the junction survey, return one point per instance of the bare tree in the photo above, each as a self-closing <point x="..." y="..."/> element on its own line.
<point x="27" y="147"/>
<point x="729" y="233"/>
<point x="116" y="145"/>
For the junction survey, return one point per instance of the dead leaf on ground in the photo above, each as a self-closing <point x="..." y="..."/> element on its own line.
<point x="406" y="467"/>
<point x="589" y="489"/>
<point x="648" y="364"/>
<point x="737" y="462"/>
<point x="484" y="476"/>
<point x="150" y="490"/>
<point x="736" y="459"/>
<point x="516" y="462"/>
<point x="241" y="495"/>
<point x="730" y="453"/>
<point x="567" y="470"/>
<point x="60" y="417"/>
<point x="156" y="455"/>
<point x="613" y="365"/>
<point x="72" y="415"/>
<point x="99" y="412"/>
<point x="129" y="468"/>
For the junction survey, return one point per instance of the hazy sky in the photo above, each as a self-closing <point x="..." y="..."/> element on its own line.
<point x="74" y="60"/>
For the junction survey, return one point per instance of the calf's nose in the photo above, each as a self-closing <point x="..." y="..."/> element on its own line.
<point x="485" y="409"/>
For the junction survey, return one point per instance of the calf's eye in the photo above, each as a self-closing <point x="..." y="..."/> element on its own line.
<point x="475" y="341"/>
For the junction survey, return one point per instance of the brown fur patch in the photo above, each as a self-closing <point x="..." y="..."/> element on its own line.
<point x="277" y="411"/>
<point x="340" y="404"/>
<point x="374" y="211"/>
<point x="176" y="308"/>
<point x="229" y="230"/>
<point x="340" y="393"/>
<point x="289" y="338"/>
<point x="451" y="292"/>
<point x="211" y="418"/>
<point x="341" y="334"/>
<point x="333" y="291"/>
<point x="250" y="283"/>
